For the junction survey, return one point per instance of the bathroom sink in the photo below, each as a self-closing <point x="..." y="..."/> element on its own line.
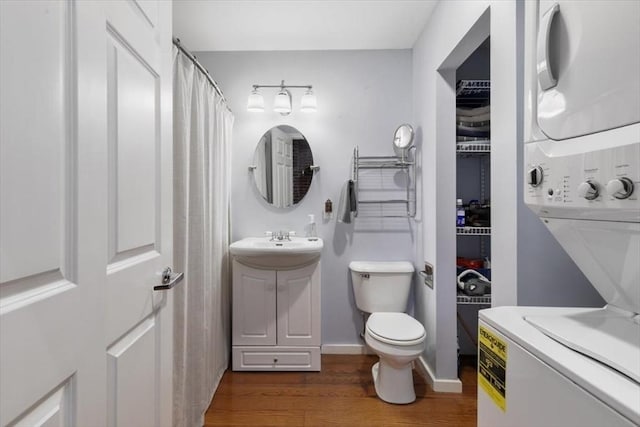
<point x="262" y="252"/>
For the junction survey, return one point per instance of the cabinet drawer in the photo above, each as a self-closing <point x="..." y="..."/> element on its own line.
<point x="265" y="358"/>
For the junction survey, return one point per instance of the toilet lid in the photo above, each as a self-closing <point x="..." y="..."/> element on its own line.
<point x="398" y="328"/>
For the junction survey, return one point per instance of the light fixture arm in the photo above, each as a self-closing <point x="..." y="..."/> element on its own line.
<point x="284" y="86"/>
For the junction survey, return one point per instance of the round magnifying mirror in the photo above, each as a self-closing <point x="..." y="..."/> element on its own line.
<point x="402" y="140"/>
<point x="282" y="168"/>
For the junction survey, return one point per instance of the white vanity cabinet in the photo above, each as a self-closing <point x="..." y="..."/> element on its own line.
<point x="276" y="318"/>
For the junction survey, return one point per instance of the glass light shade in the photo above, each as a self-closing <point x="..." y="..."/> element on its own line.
<point x="282" y="103"/>
<point x="255" y="102"/>
<point x="308" y="103"/>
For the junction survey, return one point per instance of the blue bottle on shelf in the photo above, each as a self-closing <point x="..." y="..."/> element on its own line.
<point x="459" y="213"/>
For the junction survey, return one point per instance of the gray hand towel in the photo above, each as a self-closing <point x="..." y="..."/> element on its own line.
<point x="348" y="202"/>
<point x="353" y="201"/>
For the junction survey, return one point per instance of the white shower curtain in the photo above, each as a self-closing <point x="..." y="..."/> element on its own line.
<point x="202" y="138"/>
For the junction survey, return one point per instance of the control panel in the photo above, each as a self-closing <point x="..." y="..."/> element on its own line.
<point x="599" y="184"/>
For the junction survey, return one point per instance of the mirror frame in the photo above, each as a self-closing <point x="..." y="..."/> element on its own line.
<point x="403" y="140"/>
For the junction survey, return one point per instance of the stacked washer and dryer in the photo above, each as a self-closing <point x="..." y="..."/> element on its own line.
<point x="565" y="367"/>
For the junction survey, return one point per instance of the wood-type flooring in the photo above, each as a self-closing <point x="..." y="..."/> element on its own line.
<point x="342" y="394"/>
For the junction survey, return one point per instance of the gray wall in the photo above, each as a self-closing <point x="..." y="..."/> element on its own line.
<point x="450" y="36"/>
<point x="478" y="65"/>
<point x="362" y="97"/>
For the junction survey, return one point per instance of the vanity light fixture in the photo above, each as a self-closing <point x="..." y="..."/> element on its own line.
<point x="308" y="103"/>
<point x="256" y="101"/>
<point x="282" y="101"/>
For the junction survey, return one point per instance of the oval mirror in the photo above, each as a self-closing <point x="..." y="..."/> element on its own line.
<point x="282" y="169"/>
<point x="402" y="140"/>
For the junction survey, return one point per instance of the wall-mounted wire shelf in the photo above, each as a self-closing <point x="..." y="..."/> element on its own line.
<point x="477" y="147"/>
<point x="477" y="300"/>
<point x="473" y="88"/>
<point x="405" y="207"/>
<point x="473" y="231"/>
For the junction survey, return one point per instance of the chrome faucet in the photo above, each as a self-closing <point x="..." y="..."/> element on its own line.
<point x="280" y="236"/>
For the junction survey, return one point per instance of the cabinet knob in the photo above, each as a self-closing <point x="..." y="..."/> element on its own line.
<point x="275" y="360"/>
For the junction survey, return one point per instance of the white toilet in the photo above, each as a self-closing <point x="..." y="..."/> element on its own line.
<point x="382" y="289"/>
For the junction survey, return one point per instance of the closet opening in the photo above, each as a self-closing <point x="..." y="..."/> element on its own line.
<point x="473" y="197"/>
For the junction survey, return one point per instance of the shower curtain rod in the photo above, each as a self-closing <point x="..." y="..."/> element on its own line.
<point x="192" y="57"/>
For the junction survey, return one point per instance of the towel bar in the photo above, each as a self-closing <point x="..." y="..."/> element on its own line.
<point x="387" y="162"/>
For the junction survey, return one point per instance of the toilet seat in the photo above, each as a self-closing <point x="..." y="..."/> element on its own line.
<point x="395" y="328"/>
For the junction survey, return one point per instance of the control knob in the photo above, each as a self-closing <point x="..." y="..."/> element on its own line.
<point x="620" y="188"/>
<point x="589" y="190"/>
<point x="535" y="176"/>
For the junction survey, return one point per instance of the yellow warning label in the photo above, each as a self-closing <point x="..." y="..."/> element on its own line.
<point x="492" y="366"/>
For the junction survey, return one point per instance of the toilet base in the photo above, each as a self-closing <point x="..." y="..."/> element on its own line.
<point x="393" y="385"/>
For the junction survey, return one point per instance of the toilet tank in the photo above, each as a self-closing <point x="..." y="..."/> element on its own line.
<point x="381" y="286"/>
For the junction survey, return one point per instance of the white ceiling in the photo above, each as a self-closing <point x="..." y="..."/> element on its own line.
<point x="207" y="25"/>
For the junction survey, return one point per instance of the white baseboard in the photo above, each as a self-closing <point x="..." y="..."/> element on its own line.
<point x="344" y="349"/>
<point x="438" y="385"/>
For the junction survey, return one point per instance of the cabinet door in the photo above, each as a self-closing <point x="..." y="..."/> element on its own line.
<point x="299" y="306"/>
<point x="254" y="306"/>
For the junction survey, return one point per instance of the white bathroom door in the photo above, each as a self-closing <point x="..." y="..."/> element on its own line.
<point x="136" y="166"/>
<point x="85" y="213"/>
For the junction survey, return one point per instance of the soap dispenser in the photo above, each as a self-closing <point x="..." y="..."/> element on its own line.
<point x="311" y="226"/>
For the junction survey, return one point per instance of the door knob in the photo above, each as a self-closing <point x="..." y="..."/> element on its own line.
<point x="169" y="280"/>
